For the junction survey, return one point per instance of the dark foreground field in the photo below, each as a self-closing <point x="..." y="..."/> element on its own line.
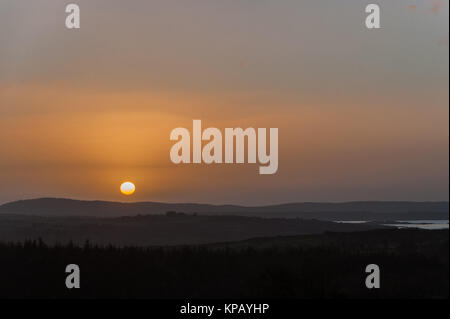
<point x="413" y="263"/>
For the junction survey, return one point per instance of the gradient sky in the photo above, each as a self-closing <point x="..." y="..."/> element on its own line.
<point x="362" y="114"/>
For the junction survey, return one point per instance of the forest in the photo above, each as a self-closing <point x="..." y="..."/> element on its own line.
<point x="413" y="264"/>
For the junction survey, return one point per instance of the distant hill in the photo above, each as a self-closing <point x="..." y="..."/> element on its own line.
<point x="150" y="230"/>
<point x="368" y="210"/>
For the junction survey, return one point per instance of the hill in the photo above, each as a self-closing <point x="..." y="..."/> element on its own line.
<point x="368" y="210"/>
<point x="154" y="230"/>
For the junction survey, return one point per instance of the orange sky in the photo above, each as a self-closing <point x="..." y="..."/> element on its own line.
<point x="362" y="115"/>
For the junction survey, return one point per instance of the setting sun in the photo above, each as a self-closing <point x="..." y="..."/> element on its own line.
<point x="127" y="188"/>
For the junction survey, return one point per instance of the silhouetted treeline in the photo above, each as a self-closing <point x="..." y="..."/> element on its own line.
<point x="417" y="268"/>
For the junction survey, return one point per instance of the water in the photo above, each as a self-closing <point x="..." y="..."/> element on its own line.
<point x="352" y="221"/>
<point x="421" y="224"/>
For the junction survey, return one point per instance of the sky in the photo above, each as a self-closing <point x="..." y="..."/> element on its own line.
<point x="362" y="114"/>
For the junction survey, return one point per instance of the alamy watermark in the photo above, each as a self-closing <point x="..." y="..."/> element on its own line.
<point x="233" y="145"/>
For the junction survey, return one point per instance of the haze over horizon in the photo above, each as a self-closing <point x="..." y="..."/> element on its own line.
<point x="362" y="115"/>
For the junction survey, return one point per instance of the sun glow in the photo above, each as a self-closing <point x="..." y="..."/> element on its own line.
<point x="127" y="188"/>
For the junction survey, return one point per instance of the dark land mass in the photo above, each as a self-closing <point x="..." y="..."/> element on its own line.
<point x="187" y="251"/>
<point x="170" y="229"/>
<point x="413" y="264"/>
<point x="370" y="210"/>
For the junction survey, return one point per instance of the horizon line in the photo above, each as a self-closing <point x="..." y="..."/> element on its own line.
<point x="215" y="204"/>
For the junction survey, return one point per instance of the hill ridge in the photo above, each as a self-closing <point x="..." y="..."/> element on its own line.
<point x="355" y="210"/>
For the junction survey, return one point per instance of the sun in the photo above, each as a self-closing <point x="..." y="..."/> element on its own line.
<point x="127" y="188"/>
